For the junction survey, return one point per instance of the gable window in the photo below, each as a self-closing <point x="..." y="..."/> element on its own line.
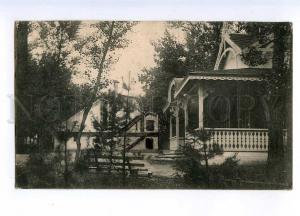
<point x="150" y="125"/>
<point x="149" y="143"/>
<point x="172" y="92"/>
<point x="228" y="60"/>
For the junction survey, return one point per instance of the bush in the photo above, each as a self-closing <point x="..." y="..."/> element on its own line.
<point x="190" y="167"/>
<point x="229" y="168"/>
<point x="81" y="165"/>
<point x="21" y="177"/>
<point x="39" y="171"/>
<point x="193" y="165"/>
<point x="43" y="170"/>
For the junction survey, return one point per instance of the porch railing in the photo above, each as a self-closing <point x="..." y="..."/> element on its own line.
<point x="239" y="139"/>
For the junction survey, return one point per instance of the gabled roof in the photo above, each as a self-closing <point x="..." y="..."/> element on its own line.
<point x="243" y="74"/>
<point x="177" y="82"/>
<point x="242" y="40"/>
<point x="237" y="43"/>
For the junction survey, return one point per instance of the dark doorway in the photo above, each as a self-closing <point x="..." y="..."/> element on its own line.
<point x="149" y="143"/>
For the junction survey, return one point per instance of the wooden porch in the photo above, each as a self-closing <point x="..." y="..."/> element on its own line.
<point x="241" y="139"/>
<point x="229" y="105"/>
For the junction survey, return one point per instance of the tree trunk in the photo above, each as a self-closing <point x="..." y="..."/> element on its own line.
<point x="93" y="94"/>
<point x="82" y="126"/>
<point x="21" y="68"/>
<point x="275" y="109"/>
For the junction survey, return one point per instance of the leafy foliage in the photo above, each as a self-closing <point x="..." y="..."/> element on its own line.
<point x="278" y="98"/>
<point x="40" y="171"/>
<point x="169" y="58"/>
<point x="175" y="59"/>
<point x="202" y="43"/>
<point x="43" y="78"/>
<point x="194" y="163"/>
<point x="98" y="51"/>
<point x="229" y="168"/>
<point x="254" y="57"/>
<point x="110" y="130"/>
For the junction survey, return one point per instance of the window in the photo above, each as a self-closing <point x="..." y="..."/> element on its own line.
<point x="228" y="60"/>
<point x="172" y="92"/>
<point x="149" y="143"/>
<point x="150" y="125"/>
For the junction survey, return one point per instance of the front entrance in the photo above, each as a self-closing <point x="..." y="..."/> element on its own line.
<point x="149" y="143"/>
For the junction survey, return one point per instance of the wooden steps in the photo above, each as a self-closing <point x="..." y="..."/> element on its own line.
<point x="131" y="157"/>
<point x="166" y="157"/>
<point x="118" y="164"/>
<point x="133" y="166"/>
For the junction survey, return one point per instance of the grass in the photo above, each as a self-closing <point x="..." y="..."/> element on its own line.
<point x="103" y="181"/>
<point x="242" y="177"/>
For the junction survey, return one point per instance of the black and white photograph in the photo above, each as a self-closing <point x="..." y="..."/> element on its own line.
<point x="154" y="107"/>
<point x="108" y="104"/>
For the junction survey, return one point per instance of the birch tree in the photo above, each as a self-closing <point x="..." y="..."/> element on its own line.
<point x="98" y="51"/>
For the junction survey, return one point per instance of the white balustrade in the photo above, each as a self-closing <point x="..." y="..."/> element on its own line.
<point x="235" y="139"/>
<point x="239" y="139"/>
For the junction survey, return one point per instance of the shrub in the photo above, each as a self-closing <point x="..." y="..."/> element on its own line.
<point x="229" y="168"/>
<point x="21" y="177"/>
<point x="193" y="165"/>
<point x="40" y="171"/>
<point x="81" y="165"/>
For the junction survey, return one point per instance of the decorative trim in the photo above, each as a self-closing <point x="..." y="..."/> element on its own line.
<point x="219" y="77"/>
<point x="222" y="56"/>
<point x="172" y="83"/>
<point x="232" y="44"/>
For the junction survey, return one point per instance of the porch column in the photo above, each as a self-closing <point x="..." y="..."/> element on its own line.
<point x="171" y="126"/>
<point x="201" y="101"/>
<point x="186" y="116"/>
<point x="177" y="128"/>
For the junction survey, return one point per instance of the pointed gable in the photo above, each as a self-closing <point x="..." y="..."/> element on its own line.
<point x="242" y="40"/>
<point x="231" y="48"/>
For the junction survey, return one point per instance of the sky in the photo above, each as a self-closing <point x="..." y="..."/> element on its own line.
<point x="137" y="55"/>
<point x="140" y="52"/>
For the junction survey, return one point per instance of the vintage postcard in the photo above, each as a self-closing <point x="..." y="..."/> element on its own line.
<point x="153" y="105"/>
